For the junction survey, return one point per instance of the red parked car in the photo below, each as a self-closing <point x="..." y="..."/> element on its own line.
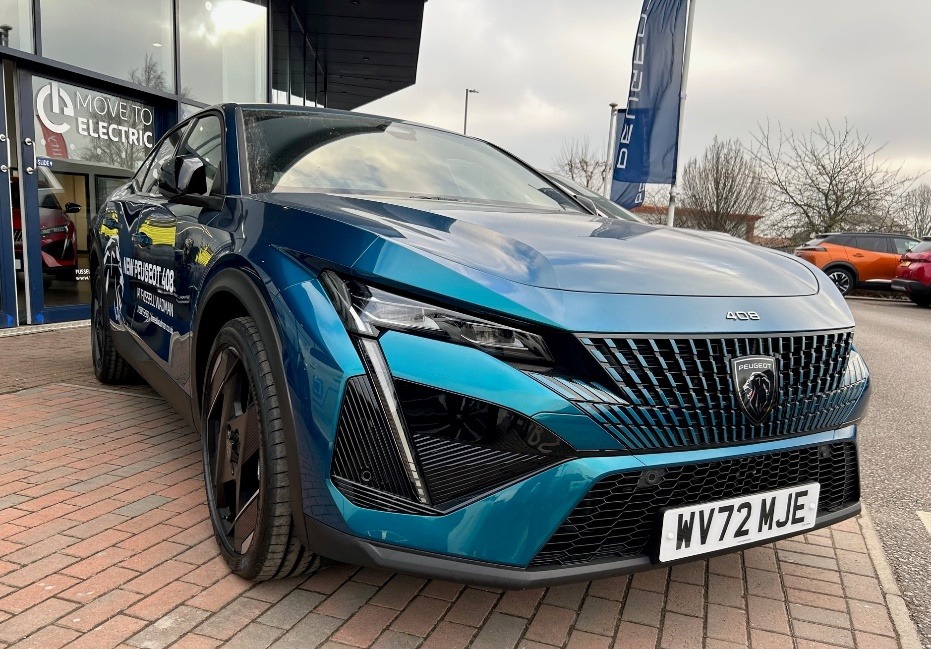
<point x="59" y="238"/>
<point x="913" y="274"/>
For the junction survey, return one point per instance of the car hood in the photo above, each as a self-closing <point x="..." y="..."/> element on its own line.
<point x="570" y="251"/>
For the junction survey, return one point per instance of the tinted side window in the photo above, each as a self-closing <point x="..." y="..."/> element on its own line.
<point x="164" y="154"/>
<point x="840" y="239"/>
<point x="205" y="141"/>
<point x="874" y="244"/>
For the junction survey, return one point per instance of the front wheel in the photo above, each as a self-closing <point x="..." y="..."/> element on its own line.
<point x="109" y="366"/>
<point x="245" y="467"/>
<point x="843" y="279"/>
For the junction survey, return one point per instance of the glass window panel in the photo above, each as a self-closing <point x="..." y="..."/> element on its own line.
<point x="223" y="50"/>
<point x="164" y="154"/>
<point x="127" y="39"/>
<point x="17" y="14"/>
<point x="80" y="124"/>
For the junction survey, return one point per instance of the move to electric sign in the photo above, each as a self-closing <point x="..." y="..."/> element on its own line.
<point x="100" y="116"/>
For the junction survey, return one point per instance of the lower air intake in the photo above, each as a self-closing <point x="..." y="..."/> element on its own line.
<point x="619" y="517"/>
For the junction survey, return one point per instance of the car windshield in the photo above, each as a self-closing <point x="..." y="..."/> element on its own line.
<point x="608" y="207"/>
<point x="292" y="151"/>
<point x="924" y="246"/>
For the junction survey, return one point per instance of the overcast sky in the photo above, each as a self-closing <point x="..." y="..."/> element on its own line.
<point x="547" y="70"/>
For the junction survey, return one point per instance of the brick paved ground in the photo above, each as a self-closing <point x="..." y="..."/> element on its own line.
<point x="104" y="542"/>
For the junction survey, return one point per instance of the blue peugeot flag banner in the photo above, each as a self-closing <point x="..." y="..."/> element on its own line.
<point x="627" y="195"/>
<point x="648" y="136"/>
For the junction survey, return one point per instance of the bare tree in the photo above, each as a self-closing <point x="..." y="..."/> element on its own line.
<point x="721" y="188"/>
<point x="578" y="161"/>
<point x="916" y="210"/>
<point x="829" y="179"/>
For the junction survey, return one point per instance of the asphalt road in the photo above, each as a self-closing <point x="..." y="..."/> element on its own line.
<point x="895" y="442"/>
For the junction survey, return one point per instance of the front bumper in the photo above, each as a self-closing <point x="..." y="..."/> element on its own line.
<point x="498" y="540"/>
<point x="340" y="546"/>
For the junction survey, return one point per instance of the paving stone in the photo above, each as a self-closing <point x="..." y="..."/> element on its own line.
<point x="551" y="624"/>
<point x="635" y="636"/>
<point x="291" y="609"/>
<point x="472" y="607"/>
<point x="598" y="616"/>
<point x="500" y="632"/>
<point x="682" y="632"/>
<point x="310" y="632"/>
<point x="169" y="628"/>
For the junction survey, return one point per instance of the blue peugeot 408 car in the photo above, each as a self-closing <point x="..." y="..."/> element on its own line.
<point x="406" y="348"/>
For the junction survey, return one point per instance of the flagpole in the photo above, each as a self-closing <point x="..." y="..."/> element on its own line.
<point x="671" y="218"/>
<point x="609" y="160"/>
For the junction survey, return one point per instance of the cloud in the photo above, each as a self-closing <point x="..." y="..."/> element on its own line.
<point x="547" y="70"/>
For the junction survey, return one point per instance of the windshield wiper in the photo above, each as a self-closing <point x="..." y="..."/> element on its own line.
<point x="438" y="198"/>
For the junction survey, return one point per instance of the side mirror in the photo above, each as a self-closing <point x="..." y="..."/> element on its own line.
<point x="72" y="208"/>
<point x="185" y="175"/>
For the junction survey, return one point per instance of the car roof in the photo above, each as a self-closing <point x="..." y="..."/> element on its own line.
<point x="822" y="235"/>
<point x="319" y="110"/>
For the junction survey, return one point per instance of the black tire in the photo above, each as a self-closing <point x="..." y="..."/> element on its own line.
<point x="109" y="366"/>
<point x="245" y="467"/>
<point x="843" y="279"/>
<point x="924" y="301"/>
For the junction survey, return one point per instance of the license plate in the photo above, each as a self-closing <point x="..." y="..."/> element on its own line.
<point x="699" y="529"/>
<point x="906" y="263"/>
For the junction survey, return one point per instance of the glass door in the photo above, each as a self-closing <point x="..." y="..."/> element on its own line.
<point x="72" y="139"/>
<point x="10" y="233"/>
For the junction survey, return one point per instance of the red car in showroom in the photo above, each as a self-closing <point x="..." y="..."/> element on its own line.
<point x="58" y="235"/>
<point x="913" y="274"/>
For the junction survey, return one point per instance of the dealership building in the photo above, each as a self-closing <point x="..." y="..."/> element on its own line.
<point x="89" y="87"/>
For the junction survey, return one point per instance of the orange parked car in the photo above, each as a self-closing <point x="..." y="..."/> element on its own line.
<point x="857" y="259"/>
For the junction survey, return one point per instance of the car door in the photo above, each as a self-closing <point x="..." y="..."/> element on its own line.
<point x="870" y="256"/>
<point x="175" y="244"/>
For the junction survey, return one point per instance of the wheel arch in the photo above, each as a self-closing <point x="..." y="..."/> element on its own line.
<point x="229" y="293"/>
<point x="846" y="265"/>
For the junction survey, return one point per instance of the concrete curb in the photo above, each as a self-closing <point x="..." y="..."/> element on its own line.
<point x="904" y="626"/>
<point x="39" y="329"/>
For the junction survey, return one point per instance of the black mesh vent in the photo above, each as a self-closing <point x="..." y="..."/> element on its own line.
<point x="468" y="447"/>
<point x="679" y="392"/>
<point x="455" y="470"/>
<point x="365" y="453"/>
<point x="619" y="516"/>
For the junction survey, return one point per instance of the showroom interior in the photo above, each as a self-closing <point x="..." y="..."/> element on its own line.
<point x="87" y="93"/>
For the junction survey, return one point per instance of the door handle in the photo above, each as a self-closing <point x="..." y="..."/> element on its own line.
<point x="141" y="239"/>
<point x="857" y="254"/>
<point x="28" y="142"/>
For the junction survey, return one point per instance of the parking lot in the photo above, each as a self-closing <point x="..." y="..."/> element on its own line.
<point x="104" y="542"/>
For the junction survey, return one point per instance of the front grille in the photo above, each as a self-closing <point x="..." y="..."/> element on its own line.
<point x="678" y="392"/>
<point x="620" y="516"/>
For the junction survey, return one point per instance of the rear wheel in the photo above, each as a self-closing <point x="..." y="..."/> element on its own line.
<point x="245" y="467"/>
<point x="920" y="301"/>
<point x="109" y="366"/>
<point x="843" y="279"/>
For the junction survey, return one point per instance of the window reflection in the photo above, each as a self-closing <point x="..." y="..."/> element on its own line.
<point x="91" y="38"/>
<point x="17" y="15"/>
<point x="223" y="50"/>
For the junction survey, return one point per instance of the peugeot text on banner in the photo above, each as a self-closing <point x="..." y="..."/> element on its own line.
<point x="627" y="195"/>
<point x="647" y="137"/>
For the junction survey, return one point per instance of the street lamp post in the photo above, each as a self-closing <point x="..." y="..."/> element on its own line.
<point x="609" y="160"/>
<point x="465" y="119"/>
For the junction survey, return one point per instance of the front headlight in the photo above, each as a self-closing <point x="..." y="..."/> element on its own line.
<point x="366" y="310"/>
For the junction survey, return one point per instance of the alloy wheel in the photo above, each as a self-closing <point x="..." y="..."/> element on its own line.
<point x="841" y="280"/>
<point x="234" y="457"/>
